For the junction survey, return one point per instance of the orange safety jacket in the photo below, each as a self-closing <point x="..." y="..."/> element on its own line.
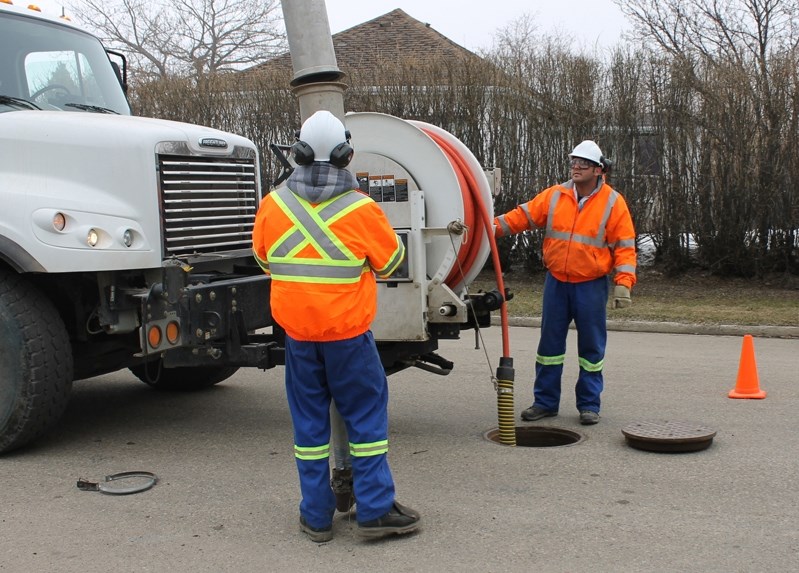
<point x="579" y="244"/>
<point x="321" y="257"/>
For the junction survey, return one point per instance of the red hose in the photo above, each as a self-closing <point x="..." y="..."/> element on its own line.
<point x="469" y="251"/>
<point x="466" y="256"/>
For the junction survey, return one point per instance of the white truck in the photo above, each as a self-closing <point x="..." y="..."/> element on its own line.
<point x="125" y="242"/>
<point x="120" y="237"/>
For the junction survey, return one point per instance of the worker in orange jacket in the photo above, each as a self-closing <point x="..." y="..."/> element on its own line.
<point x="588" y="236"/>
<point x="322" y="241"/>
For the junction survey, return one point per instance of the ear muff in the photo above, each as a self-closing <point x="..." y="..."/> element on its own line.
<point x="606" y="164"/>
<point x="302" y="152"/>
<point x="341" y="155"/>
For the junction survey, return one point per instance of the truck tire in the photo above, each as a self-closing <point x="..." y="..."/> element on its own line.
<point x="183" y="378"/>
<point x="35" y="363"/>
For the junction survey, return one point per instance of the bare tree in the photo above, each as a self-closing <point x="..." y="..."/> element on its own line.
<point x="716" y="28"/>
<point x="517" y="39"/>
<point x="187" y="38"/>
<point x="739" y="58"/>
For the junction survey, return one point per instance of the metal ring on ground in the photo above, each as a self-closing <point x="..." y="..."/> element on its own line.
<point x="150" y="480"/>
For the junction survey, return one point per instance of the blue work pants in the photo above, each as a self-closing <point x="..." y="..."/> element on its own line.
<point x="350" y="372"/>
<point x="585" y="303"/>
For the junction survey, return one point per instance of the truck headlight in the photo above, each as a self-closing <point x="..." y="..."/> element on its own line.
<point x="92" y="237"/>
<point x="127" y="238"/>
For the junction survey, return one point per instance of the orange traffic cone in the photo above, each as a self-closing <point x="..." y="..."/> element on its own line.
<point x="747" y="385"/>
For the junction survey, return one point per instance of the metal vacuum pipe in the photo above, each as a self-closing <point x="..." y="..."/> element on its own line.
<point x="316" y="75"/>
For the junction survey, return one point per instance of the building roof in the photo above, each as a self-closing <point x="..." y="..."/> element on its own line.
<point x="394" y="37"/>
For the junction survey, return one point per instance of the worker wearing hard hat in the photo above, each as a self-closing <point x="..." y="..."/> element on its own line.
<point x="323" y="241"/>
<point x="588" y="236"/>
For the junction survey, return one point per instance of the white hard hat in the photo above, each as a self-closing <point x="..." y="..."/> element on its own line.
<point x="323" y="131"/>
<point x="588" y="150"/>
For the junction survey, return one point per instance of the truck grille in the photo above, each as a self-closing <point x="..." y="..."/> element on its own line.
<point x="208" y="204"/>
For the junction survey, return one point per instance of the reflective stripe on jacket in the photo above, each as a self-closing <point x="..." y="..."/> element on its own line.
<point x="579" y="244"/>
<point x="321" y="258"/>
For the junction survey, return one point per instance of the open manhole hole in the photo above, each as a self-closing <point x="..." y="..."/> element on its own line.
<point x="538" y="437"/>
<point x="668" y="436"/>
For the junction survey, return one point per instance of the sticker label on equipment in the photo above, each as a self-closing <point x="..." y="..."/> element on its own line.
<point x="383" y="188"/>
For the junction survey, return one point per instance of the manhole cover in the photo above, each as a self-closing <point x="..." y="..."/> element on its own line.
<point x="668" y="436"/>
<point x="538" y="436"/>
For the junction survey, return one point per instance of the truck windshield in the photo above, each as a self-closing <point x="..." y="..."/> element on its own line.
<point x="55" y="67"/>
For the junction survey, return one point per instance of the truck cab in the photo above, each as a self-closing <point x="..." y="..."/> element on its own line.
<point x="54" y="66"/>
<point x="125" y="242"/>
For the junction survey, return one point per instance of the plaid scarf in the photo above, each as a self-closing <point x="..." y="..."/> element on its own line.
<point x="320" y="181"/>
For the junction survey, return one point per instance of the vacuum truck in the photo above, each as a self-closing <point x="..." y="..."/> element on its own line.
<point x="125" y="242"/>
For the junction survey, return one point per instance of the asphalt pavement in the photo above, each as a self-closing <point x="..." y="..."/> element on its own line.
<point x="227" y="496"/>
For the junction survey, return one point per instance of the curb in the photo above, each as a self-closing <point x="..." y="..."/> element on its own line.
<point x="674" y="327"/>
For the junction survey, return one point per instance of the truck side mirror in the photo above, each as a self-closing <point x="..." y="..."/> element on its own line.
<point x="121" y="72"/>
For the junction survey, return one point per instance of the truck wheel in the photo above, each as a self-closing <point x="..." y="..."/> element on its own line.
<point x="183" y="378"/>
<point x="35" y="363"/>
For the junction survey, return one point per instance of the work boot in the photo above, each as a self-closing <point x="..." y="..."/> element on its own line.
<point x="317" y="534"/>
<point x="398" y="521"/>
<point x="534" y="413"/>
<point x="588" y="418"/>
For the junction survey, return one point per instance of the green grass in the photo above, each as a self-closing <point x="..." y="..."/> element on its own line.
<point x="693" y="298"/>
